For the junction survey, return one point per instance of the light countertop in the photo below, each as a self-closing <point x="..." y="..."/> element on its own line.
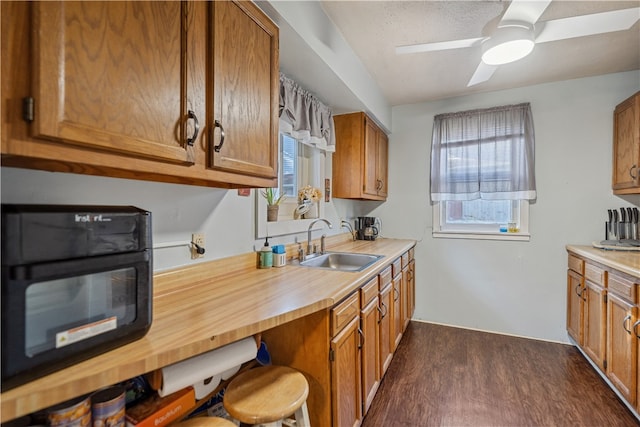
<point x="203" y="307"/>
<point x="625" y="261"/>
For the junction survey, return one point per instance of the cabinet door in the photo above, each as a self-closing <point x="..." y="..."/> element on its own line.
<point x="112" y="76"/>
<point x="382" y="164"/>
<point x="370" y="160"/>
<point x="594" y="336"/>
<point x="396" y="316"/>
<point x="626" y="144"/>
<point x="636" y="331"/>
<point x="245" y="79"/>
<point x="369" y="318"/>
<point x="386" y="327"/>
<point x="574" y="306"/>
<point x="412" y="288"/>
<point x="405" y="296"/>
<point x="621" y="347"/>
<point x="346" y="397"/>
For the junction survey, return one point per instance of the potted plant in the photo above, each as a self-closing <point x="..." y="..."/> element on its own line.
<point x="273" y="199"/>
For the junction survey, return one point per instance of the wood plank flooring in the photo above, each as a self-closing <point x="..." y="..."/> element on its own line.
<point x="444" y="376"/>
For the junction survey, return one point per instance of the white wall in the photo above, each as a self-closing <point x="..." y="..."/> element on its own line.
<point x="504" y="286"/>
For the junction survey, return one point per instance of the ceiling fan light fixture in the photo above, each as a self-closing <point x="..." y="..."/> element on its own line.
<point x="509" y="43"/>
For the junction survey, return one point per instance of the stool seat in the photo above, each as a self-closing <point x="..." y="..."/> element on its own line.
<point x="206" y="422"/>
<point x="266" y="394"/>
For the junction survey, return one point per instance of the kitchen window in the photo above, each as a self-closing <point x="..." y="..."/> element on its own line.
<point x="482" y="173"/>
<point x="306" y="137"/>
<point x="301" y="164"/>
<point x="288" y="178"/>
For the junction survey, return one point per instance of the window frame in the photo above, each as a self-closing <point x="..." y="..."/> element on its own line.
<point x="480" y="231"/>
<point x="284" y="227"/>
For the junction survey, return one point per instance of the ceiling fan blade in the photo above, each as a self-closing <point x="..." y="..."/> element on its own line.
<point x="482" y="74"/>
<point x="525" y="10"/>
<point x="586" y="25"/>
<point x="430" y="47"/>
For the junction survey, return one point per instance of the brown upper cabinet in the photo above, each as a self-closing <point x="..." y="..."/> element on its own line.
<point x="166" y="91"/>
<point x="626" y="146"/>
<point x="360" y="160"/>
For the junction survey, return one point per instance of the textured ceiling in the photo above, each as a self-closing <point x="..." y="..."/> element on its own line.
<point x="374" y="28"/>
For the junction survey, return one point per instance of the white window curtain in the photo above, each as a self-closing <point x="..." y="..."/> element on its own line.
<point x="484" y="154"/>
<point x="304" y="117"/>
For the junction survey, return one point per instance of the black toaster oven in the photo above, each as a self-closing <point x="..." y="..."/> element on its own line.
<point x="76" y="281"/>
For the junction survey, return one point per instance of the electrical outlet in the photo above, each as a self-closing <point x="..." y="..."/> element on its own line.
<point x="196" y="252"/>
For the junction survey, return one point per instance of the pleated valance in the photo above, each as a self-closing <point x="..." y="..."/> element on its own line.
<point x="304" y="117"/>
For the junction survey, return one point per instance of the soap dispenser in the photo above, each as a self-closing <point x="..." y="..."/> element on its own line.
<point x="266" y="255"/>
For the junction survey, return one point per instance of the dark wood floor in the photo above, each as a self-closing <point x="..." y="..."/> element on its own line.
<point x="443" y="376"/>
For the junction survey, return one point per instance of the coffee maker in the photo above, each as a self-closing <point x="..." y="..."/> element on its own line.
<point x="367" y="227"/>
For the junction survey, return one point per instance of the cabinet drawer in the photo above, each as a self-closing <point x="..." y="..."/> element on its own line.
<point x="405" y="259"/>
<point x="396" y="267"/>
<point x="385" y="277"/>
<point x="622" y="287"/>
<point x="342" y="313"/>
<point x="411" y="254"/>
<point x="368" y="292"/>
<point x="576" y="264"/>
<point x="595" y="274"/>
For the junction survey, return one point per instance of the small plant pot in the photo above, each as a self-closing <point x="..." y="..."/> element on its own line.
<point x="272" y="213"/>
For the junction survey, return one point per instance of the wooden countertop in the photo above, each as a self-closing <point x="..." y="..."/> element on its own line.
<point x="625" y="261"/>
<point x="203" y="307"/>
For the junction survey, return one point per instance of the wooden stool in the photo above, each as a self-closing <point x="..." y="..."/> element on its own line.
<point x="206" y="422"/>
<point x="267" y="395"/>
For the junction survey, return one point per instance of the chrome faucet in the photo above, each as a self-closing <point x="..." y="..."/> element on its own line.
<point x="309" y="247"/>
<point x="347" y="225"/>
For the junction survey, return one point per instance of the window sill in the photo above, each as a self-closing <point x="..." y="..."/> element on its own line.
<point x="489" y="235"/>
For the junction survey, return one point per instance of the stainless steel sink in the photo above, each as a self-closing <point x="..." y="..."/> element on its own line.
<point x="341" y="261"/>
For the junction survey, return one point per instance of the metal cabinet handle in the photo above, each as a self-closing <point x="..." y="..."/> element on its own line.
<point x="218" y="147"/>
<point x="396" y="294"/>
<point x="631" y="172"/>
<point x="196" y="127"/>
<point x="624" y="323"/>
<point x="384" y="312"/>
<point x="579" y="293"/>
<point x="361" y="338"/>
<point x="635" y="330"/>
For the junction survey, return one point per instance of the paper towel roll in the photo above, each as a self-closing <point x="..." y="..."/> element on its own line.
<point x="194" y="371"/>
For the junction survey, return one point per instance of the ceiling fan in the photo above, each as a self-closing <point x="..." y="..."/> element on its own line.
<point x="519" y="30"/>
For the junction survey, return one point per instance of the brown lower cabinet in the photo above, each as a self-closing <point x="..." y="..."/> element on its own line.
<point x="602" y="318"/>
<point x="370" y="345"/>
<point x="344" y="351"/>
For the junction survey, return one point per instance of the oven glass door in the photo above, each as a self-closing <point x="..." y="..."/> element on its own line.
<point x="72" y="309"/>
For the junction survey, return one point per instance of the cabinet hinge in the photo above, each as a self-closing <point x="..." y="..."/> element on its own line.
<point x="332" y="355"/>
<point x="27" y="109"/>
